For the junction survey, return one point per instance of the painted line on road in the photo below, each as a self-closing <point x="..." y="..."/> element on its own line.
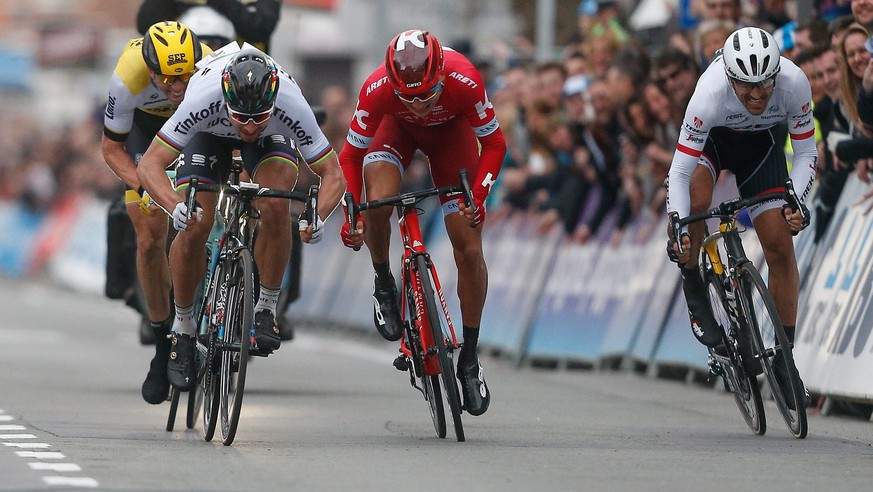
<point x="20" y="440"/>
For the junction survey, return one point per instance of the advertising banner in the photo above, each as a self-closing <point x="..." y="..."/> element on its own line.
<point x="835" y="320"/>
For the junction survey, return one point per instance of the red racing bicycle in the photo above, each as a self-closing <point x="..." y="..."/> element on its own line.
<point x="428" y="343"/>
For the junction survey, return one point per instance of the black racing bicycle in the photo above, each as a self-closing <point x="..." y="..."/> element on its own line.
<point x="226" y="311"/>
<point x="754" y="338"/>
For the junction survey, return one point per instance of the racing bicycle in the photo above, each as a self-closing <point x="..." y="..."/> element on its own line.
<point x="428" y="343"/>
<point x="754" y="338"/>
<point x="226" y="312"/>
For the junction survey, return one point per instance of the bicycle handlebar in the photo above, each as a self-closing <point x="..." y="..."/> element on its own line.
<point x="409" y="198"/>
<point x="254" y="190"/>
<point x="731" y="207"/>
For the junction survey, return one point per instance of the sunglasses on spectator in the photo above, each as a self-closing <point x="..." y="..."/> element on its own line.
<point x="171" y="79"/>
<point x="245" y="118"/>
<point x="424" y="97"/>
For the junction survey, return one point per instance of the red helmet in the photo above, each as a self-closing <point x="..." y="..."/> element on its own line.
<point x="415" y="62"/>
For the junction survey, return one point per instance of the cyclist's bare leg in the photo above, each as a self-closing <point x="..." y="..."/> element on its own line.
<point x="152" y="266"/>
<point x="381" y="180"/>
<point x="472" y="272"/>
<point x="273" y="248"/>
<point x="188" y="254"/>
<point x="784" y="282"/>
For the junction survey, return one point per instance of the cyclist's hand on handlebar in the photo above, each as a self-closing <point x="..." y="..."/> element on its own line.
<point x="353" y="240"/>
<point x="673" y="250"/>
<point x="180" y="216"/>
<point x="797" y="220"/>
<point x="311" y="233"/>
<point x="475" y="215"/>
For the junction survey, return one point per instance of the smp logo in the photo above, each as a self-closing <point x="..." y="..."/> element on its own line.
<point x="176" y="58"/>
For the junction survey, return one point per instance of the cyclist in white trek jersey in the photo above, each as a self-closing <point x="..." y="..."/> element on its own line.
<point x="737" y="120"/>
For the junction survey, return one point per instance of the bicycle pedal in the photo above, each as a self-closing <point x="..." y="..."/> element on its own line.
<point x="401" y="363"/>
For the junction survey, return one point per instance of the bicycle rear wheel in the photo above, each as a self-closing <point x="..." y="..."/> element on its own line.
<point x="773" y="349"/>
<point x="747" y="394"/>
<point x="235" y="341"/>
<point x="447" y="367"/>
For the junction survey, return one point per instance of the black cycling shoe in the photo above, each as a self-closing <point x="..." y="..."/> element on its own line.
<point x="703" y="323"/>
<point x="781" y="374"/>
<point x="473" y="386"/>
<point x="156" y="386"/>
<point x="267" y="337"/>
<point x="386" y="312"/>
<point x="182" y="367"/>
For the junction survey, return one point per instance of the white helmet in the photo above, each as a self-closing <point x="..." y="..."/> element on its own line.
<point x="750" y="55"/>
<point x="208" y="24"/>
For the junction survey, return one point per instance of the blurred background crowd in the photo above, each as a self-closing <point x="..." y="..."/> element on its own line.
<point x="590" y="94"/>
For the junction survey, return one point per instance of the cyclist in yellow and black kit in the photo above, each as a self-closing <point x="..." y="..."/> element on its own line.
<point x="149" y="82"/>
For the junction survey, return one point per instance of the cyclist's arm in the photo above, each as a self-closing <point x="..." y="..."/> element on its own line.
<point x="801" y="130"/>
<point x="152" y="175"/>
<point x="332" y="186"/>
<point x="699" y="119"/>
<point x="365" y="121"/>
<point x="119" y="161"/>
<point x="490" y="161"/>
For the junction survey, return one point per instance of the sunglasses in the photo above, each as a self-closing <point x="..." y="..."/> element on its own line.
<point x="245" y="118"/>
<point x="171" y="79"/>
<point x="748" y="86"/>
<point x="423" y="97"/>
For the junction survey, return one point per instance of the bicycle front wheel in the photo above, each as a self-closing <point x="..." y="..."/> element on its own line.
<point x="744" y="386"/>
<point x="235" y="341"/>
<point x="429" y="385"/>
<point x="773" y="349"/>
<point x="447" y="367"/>
<point x="174" y="406"/>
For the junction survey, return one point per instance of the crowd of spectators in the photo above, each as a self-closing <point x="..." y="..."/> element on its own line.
<point x="42" y="166"/>
<point x="590" y="134"/>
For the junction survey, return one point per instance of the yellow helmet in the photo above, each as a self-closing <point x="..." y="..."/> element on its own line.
<point x="170" y="48"/>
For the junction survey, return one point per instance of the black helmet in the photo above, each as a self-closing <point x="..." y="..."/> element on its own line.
<point x="250" y="82"/>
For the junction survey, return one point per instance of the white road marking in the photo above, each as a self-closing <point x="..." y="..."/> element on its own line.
<point x="42" y="455"/>
<point x="58" y="467"/>
<point x="71" y="481"/>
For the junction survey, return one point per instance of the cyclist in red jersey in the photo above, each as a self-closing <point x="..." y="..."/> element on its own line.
<point x="431" y="99"/>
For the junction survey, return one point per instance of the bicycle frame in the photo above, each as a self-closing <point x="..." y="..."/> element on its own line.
<point x="413" y="246"/>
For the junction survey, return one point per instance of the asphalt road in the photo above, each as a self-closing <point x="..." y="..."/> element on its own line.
<point x="329" y="412"/>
